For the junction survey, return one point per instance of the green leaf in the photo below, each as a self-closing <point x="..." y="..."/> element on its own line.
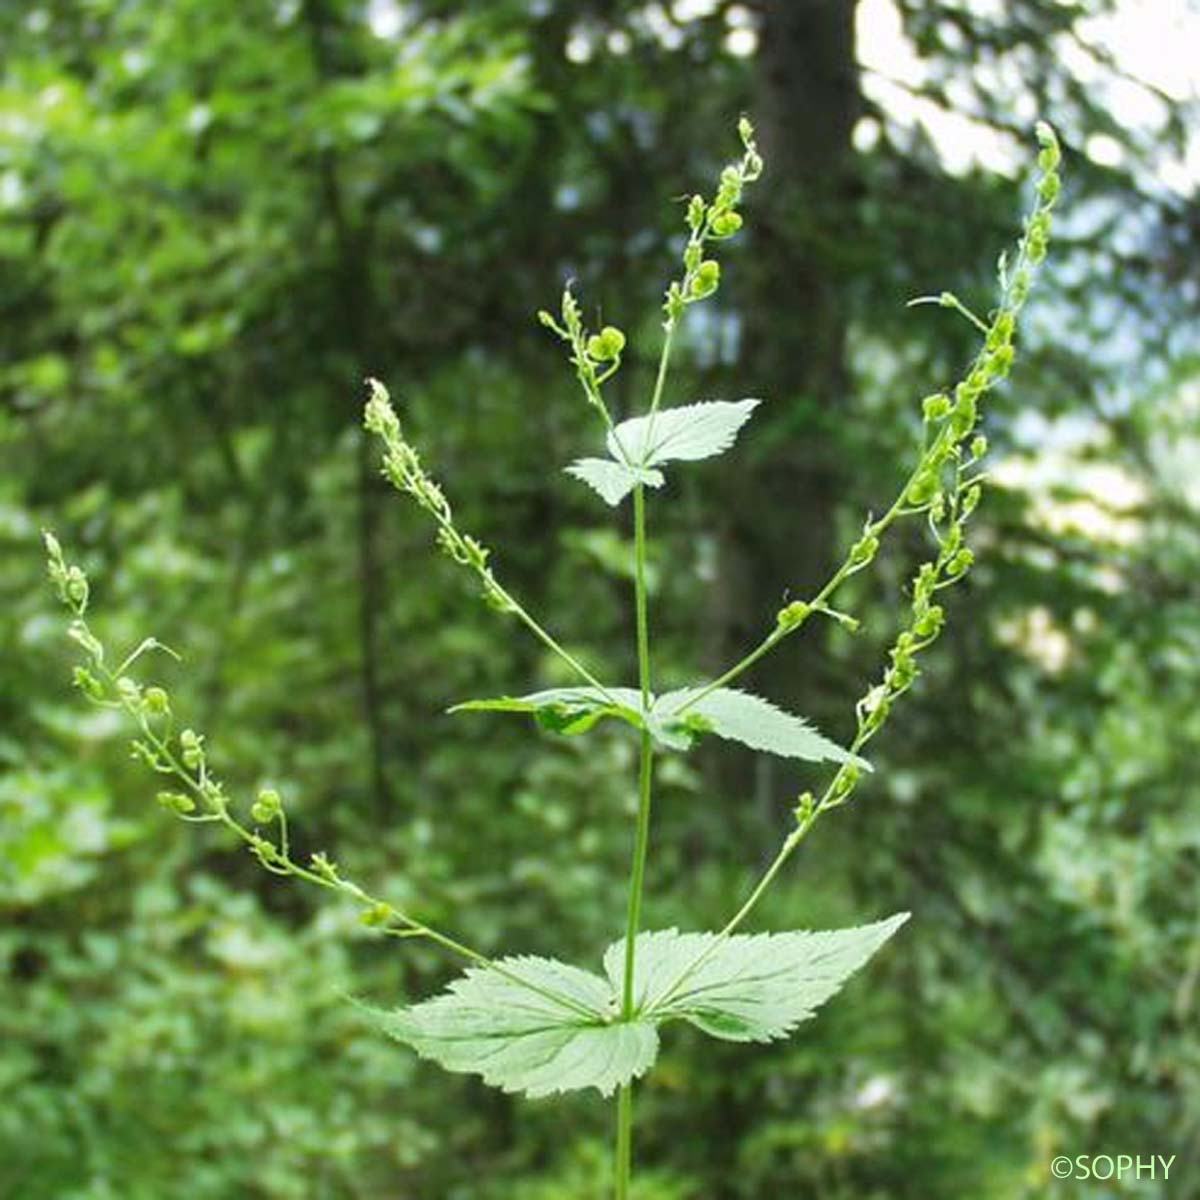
<point x="537" y="1026"/>
<point x="521" y="1041"/>
<point x="748" y="987"/>
<point x="686" y="433"/>
<point x="566" y="710"/>
<point x="689" y="432"/>
<point x="748" y="719"/>
<point x="613" y="480"/>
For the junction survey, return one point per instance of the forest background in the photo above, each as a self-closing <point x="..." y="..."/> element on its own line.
<point x="216" y="218"/>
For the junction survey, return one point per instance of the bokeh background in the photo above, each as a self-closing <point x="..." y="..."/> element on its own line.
<point x="217" y="217"/>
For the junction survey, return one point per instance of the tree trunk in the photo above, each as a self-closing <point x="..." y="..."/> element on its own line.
<point x="776" y="532"/>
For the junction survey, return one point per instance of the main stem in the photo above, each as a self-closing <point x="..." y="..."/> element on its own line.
<point x="637" y="874"/>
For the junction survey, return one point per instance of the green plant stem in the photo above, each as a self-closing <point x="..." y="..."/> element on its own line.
<point x="531" y="623"/>
<point x="664" y="360"/>
<point x="641" y="845"/>
<point x="816" y="604"/>
<point x="791" y="842"/>
<point x="624" y="1140"/>
<point x="637" y="875"/>
<point x="553" y="645"/>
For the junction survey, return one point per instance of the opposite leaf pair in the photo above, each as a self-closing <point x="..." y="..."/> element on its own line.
<point x="676" y="718"/>
<point x="567" y="1035"/>
<point x="640" y="445"/>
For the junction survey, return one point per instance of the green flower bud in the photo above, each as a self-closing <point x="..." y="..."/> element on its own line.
<point x="965" y="413"/>
<point x="1049" y="188"/>
<point x="695" y="213"/>
<point x="793" y="615"/>
<point x="924" y="488"/>
<point x="495" y="597"/>
<point x="1050" y="155"/>
<point x="157" y="702"/>
<point x="979" y="446"/>
<point x="176" y="802"/>
<point x="1001" y="362"/>
<point x="191" y="746"/>
<point x="930" y="622"/>
<point x="324" y="866"/>
<point x="961" y="563"/>
<point x="379" y="416"/>
<point x="971" y="500"/>
<point x="606" y="345"/>
<point x="923" y="583"/>
<point x="76" y="587"/>
<point x="1020" y="287"/>
<point x="377" y="915"/>
<point x="674" y="302"/>
<point x="864" y="550"/>
<point x="214" y="794"/>
<point x="706" y="279"/>
<point x="899" y="677"/>
<point x="266" y="851"/>
<point x="88" y="684"/>
<point x="805" y="807"/>
<point x="129" y="691"/>
<point x="1002" y="331"/>
<point x="935" y="407"/>
<point x="267" y="807"/>
<point x="844" y="781"/>
<point x="550" y="323"/>
<point x="727" y="224"/>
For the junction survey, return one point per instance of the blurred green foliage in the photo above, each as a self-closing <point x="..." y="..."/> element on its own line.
<point x="214" y="220"/>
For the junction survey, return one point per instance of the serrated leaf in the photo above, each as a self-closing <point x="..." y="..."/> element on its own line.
<point x="748" y="719"/>
<point x="751" y="987"/>
<point x="566" y="710"/>
<point x="518" y="1040"/>
<point x="537" y="1026"/>
<point x="687" y="433"/>
<point x="613" y="480"/>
